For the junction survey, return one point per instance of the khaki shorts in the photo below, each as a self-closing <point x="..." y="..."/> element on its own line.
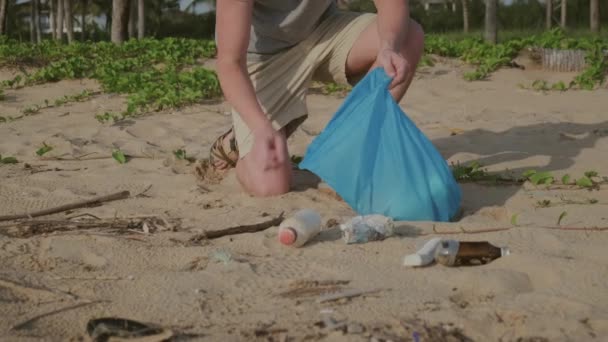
<point x="281" y="82"/>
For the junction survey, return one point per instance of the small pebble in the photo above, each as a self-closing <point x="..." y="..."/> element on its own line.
<point x="131" y="277"/>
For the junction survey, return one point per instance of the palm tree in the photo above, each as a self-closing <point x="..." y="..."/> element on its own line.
<point x="53" y="18"/>
<point x="594" y="15"/>
<point x="549" y="13"/>
<point x="564" y="9"/>
<point x="141" y="19"/>
<point x="69" y="20"/>
<point x="3" y="5"/>
<point x="491" y="18"/>
<point x="60" y="21"/>
<point x="36" y="19"/>
<point x="465" y="16"/>
<point x="132" y="18"/>
<point x="84" y="6"/>
<point x="120" y="20"/>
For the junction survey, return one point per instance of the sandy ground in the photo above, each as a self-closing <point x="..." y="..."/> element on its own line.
<point x="552" y="288"/>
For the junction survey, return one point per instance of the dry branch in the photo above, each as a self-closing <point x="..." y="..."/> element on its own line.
<point x="500" y="229"/>
<point x="29" y="228"/>
<point x="346" y="294"/>
<point x="241" y="229"/>
<point x="82" y="204"/>
<point x="37" y="317"/>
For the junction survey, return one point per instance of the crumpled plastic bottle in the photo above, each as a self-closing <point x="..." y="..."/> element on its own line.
<point x="362" y="229"/>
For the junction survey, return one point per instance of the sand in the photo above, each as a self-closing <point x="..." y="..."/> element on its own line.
<point x="551" y="288"/>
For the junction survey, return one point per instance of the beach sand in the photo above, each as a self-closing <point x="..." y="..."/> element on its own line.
<point x="236" y="288"/>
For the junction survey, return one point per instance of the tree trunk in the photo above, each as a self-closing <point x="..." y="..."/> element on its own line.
<point x="465" y="15"/>
<point x="548" y="13"/>
<point x="132" y="18"/>
<point x="59" y="28"/>
<point x="594" y="12"/>
<point x="84" y="8"/>
<point x="69" y="20"/>
<point x="53" y="18"/>
<point x="491" y="34"/>
<point x="120" y="20"/>
<point x="141" y="19"/>
<point x="3" y="4"/>
<point x="564" y="11"/>
<point x="32" y="26"/>
<point x="36" y="18"/>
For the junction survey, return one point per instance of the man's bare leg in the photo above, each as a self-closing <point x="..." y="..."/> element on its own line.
<point x="362" y="56"/>
<point x="361" y="60"/>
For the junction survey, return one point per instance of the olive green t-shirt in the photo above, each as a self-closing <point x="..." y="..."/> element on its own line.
<point x="280" y="24"/>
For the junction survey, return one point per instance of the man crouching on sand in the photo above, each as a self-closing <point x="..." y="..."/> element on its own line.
<point x="268" y="53"/>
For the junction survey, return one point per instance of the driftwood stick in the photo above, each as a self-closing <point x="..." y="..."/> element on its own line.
<point x="492" y="230"/>
<point x="346" y="294"/>
<point x="67" y="308"/>
<point x="82" y="204"/>
<point x="214" y="234"/>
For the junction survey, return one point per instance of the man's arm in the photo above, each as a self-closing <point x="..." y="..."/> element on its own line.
<point x="393" y="22"/>
<point x="233" y="22"/>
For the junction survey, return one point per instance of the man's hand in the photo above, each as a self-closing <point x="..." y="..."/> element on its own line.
<point x="269" y="149"/>
<point x="394" y="65"/>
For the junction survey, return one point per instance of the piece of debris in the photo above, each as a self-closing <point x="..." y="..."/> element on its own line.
<point x="346" y="294"/>
<point x="107" y="328"/>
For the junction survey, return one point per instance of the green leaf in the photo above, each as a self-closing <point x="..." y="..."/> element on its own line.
<point x="544" y="203"/>
<point x="44" y="149"/>
<point x="561" y="216"/>
<point x="529" y="173"/>
<point x="584" y="182"/>
<point x="119" y="156"/>
<point x="591" y="174"/>
<point x="9" y="160"/>
<point x="541" y="178"/>
<point x="566" y="179"/>
<point x="593" y="200"/>
<point x="180" y="154"/>
<point x="561" y="86"/>
<point x="514" y="219"/>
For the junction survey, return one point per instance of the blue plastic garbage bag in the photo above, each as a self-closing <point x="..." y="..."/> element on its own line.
<point x="379" y="162"/>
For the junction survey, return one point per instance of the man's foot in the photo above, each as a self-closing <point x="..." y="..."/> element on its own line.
<point x="224" y="152"/>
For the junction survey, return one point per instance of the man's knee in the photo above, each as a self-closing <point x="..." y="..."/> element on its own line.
<point x="264" y="184"/>
<point x="415" y="40"/>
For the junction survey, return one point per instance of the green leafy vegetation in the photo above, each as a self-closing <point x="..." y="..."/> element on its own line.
<point x="44" y="149"/>
<point x="119" y="156"/>
<point x="8" y="160"/>
<point x="79" y="97"/>
<point x="181" y="155"/>
<point x="154" y="74"/>
<point x="475" y="172"/>
<point x="514" y="220"/>
<point x="488" y="58"/>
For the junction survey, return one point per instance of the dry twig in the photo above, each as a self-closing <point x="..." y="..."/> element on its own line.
<point x="214" y="234"/>
<point x="67" y="308"/>
<point x="82" y="204"/>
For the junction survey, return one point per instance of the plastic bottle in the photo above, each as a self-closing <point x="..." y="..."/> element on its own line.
<point x="424" y="256"/>
<point x="468" y="253"/>
<point x="300" y="228"/>
<point x="362" y="229"/>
